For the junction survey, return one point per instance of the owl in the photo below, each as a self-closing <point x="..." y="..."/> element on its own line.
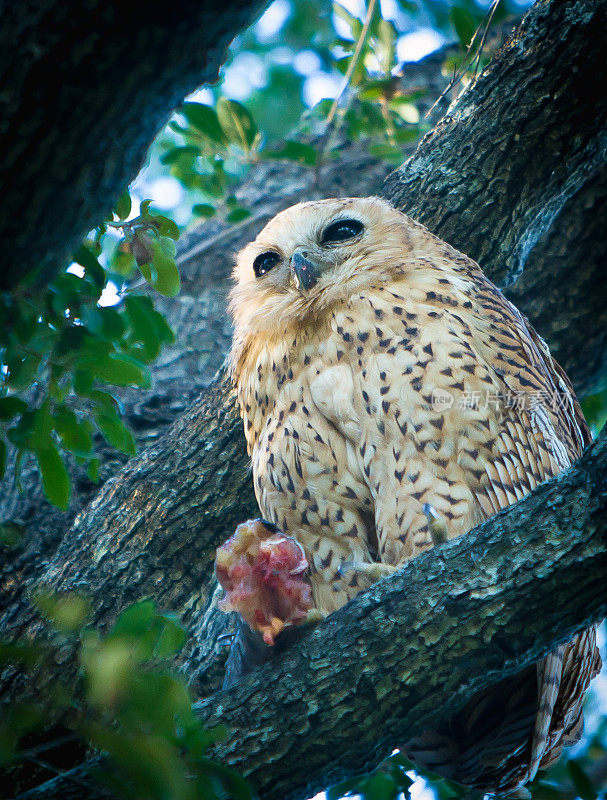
<point x="393" y="398"/>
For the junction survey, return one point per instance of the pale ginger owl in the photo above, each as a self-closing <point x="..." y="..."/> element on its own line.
<point x="392" y="396"/>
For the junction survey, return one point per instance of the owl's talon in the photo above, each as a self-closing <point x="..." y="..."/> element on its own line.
<point x="436" y="525"/>
<point x="374" y="571"/>
<point x="314" y="617"/>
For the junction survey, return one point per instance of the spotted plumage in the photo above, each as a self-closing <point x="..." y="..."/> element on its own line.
<point x="389" y="391"/>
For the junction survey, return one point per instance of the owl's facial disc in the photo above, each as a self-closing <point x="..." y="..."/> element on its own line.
<point x="305" y="272"/>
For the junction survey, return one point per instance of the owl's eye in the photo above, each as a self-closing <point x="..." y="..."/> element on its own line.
<point x="341" y="230"/>
<point x="264" y="262"/>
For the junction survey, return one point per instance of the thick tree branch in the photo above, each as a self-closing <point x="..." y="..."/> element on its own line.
<point x="417" y="646"/>
<point x="517" y="144"/>
<point x="85" y="88"/>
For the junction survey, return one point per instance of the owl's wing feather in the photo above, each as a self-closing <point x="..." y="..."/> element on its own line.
<point x="541" y="435"/>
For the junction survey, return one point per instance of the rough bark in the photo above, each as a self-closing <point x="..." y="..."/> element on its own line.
<point x="85" y="88"/>
<point x="542" y="108"/>
<point x="418" y="645"/>
<point x="563" y="287"/>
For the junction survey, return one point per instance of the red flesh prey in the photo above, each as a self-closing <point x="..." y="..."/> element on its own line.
<point x="262" y="573"/>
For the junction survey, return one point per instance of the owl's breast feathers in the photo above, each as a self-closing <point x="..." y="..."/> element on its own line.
<point x="424" y="387"/>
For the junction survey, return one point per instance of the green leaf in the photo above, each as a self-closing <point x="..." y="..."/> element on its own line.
<point x="122" y="260"/>
<point x="238" y="215"/>
<point x="296" y="151"/>
<point x="119" y="370"/>
<point x="93" y="269"/>
<point x="55" y="477"/>
<point x="92" y="470"/>
<point x="171" y="639"/>
<point x="75" y="434"/>
<point x="103" y="400"/>
<point x="204" y="210"/>
<point x="166" y="227"/>
<point x="236" y="122"/>
<point x="408" y="135"/>
<point x="176" y="154"/>
<point x="581" y="781"/>
<point x="24" y="326"/>
<point x="389" y="152"/>
<point x="136" y="619"/>
<point x="464" y="24"/>
<point x="166" y="278"/>
<point x="115" y="432"/>
<point x="142" y="327"/>
<point x="353" y="23"/>
<point x="204" y="119"/>
<point x="66" y="611"/>
<point x="22" y="368"/>
<point x="123" y="206"/>
<point x="10" y="407"/>
<point x="83" y="381"/>
<point x="104" y="322"/>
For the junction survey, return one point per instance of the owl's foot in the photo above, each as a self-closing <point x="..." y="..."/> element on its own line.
<point x="262" y="572"/>
<point x="436" y="525"/>
<point x="373" y="571"/>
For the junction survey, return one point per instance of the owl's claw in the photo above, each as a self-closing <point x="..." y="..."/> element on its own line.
<point x="436" y="525"/>
<point x="373" y="571"/>
<point x="314" y="617"/>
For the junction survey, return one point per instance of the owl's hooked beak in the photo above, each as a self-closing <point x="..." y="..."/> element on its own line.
<point x="305" y="272"/>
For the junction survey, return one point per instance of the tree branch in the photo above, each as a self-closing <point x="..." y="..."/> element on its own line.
<point x="85" y="88"/>
<point x="417" y="646"/>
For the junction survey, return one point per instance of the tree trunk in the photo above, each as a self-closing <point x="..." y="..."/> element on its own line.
<point x="85" y="88"/>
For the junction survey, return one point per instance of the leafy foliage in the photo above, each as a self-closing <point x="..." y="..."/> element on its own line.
<point x="129" y="705"/>
<point x="62" y="351"/>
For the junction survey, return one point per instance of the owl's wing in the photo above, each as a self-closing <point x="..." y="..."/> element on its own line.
<point x="543" y="431"/>
<point x="543" y="428"/>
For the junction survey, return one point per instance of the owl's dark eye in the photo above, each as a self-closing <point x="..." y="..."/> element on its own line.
<point x="264" y="262"/>
<point x="341" y="230"/>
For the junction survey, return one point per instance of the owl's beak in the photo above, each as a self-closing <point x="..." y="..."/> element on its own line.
<point x="305" y="272"/>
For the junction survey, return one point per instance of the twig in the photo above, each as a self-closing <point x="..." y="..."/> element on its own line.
<point x="490" y="14"/>
<point x="329" y="131"/>
<point x="469" y="58"/>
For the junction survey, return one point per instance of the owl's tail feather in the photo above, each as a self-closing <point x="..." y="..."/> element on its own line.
<point x="549" y="673"/>
<point x="500" y="738"/>
<point x="486" y="744"/>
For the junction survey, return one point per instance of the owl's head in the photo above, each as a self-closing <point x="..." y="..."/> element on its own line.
<point x="313" y="256"/>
